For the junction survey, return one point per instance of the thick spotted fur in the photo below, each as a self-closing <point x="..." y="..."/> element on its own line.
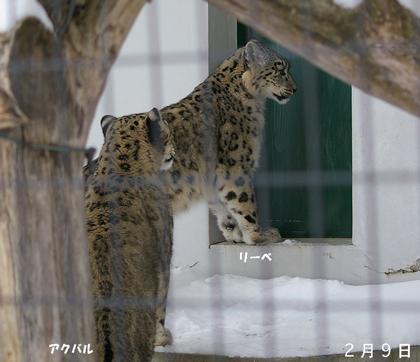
<point x="129" y="222"/>
<point x="217" y="131"/>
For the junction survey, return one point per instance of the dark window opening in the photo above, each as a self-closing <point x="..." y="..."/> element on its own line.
<point x="304" y="180"/>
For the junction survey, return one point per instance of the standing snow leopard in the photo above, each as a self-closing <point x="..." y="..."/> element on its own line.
<point x="129" y="222"/>
<point x="217" y="131"/>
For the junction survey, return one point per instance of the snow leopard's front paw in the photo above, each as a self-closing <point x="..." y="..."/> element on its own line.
<point x="270" y="235"/>
<point x="256" y="237"/>
<point x="163" y="336"/>
<point x="230" y="230"/>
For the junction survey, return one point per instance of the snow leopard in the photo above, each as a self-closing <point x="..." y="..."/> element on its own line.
<point x="129" y="225"/>
<point x="217" y="131"/>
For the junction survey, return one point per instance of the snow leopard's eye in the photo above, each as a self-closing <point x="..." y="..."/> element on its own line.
<point x="280" y="65"/>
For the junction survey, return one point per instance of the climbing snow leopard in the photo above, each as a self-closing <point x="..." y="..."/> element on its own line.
<point x="129" y="222"/>
<point x="216" y="132"/>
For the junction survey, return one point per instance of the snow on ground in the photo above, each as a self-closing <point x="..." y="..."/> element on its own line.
<point x="284" y="317"/>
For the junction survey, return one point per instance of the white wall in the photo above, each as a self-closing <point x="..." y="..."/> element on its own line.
<point x="12" y="11"/>
<point x="386" y="189"/>
<point x="161" y="61"/>
<point x="386" y="186"/>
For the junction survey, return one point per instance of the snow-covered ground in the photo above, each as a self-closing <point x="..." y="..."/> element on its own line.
<point x="284" y="317"/>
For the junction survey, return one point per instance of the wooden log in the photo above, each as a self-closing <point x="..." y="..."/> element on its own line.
<point x="50" y="83"/>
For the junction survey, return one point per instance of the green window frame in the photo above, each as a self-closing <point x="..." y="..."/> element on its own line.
<point x="304" y="182"/>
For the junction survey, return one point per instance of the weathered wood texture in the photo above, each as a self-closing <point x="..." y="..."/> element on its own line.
<point x="50" y="83"/>
<point x="375" y="47"/>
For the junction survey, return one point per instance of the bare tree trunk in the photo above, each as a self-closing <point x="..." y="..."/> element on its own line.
<point x="375" y="47"/>
<point x="50" y="83"/>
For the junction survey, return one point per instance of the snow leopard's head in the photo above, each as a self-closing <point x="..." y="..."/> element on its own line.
<point x="137" y="143"/>
<point x="268" y="73"/>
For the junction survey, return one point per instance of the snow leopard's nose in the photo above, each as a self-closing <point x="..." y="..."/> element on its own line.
<point x="294" y="88"/>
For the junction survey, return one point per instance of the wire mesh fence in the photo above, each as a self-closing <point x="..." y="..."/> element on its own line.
<point x="346" y="288"/>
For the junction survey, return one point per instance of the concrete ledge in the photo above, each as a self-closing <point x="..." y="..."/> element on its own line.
<point x="312" y="258"/>
<point x="335" y="259"/>
<point x="304" y="241"/>
<point x="377" y="357"/>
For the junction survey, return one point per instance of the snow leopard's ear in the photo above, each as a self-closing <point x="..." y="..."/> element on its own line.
<point x="255" y="53"/>
<point x="106" y="121"/>
<point x="154" y="129"/>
